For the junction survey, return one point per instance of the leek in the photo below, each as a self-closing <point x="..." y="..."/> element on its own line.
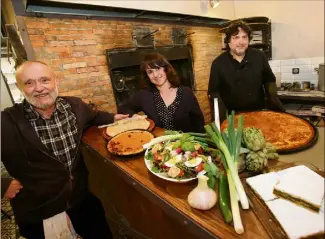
<point x="238" y="225"/>
<point x="218" y="140"/>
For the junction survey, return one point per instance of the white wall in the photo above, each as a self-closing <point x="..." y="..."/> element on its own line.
<point x="5" y="96"/>
<point x="297" y="26"/>
<point x="192" y="7"/>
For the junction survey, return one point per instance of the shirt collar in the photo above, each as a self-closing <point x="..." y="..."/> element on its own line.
<point x="32" y="114"/>
<point x="244" y="59"/>
<point x="61" y="105"/>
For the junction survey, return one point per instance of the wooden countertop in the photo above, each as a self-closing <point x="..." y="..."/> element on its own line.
<point x="312" y="157"/>
<point x="173" y="196"/>
<point x="312" y="95"/>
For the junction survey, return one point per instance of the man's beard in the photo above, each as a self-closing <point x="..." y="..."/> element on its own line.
<point x="53" y="95"/>
<point x="239" y="53"/>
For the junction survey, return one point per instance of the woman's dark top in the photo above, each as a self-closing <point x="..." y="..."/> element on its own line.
<point x="183" y="114"/>
<point x="166" y="113"/>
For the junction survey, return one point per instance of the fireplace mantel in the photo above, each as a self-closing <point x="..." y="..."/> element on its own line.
<point x="73" y="9"/>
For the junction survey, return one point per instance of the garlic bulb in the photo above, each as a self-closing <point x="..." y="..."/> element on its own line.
<point x="202" y="197"/>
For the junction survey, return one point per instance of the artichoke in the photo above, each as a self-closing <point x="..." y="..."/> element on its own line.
<point x="253" y="138"/>
<point x="270" y="148"/>
<point x="272" y="155"/>
<point x="256" y="161"/>
<point x="271" y="151"/>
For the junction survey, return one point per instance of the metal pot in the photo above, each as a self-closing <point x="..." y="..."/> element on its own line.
<point x="321" y="80"/>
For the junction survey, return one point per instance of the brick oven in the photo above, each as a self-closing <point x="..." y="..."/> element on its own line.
<point x="80" y="52"/>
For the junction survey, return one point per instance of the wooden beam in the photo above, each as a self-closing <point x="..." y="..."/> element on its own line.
<point x="15" y="41"/>
<point x="19" y="7"/>
<point x="25" y="37"/>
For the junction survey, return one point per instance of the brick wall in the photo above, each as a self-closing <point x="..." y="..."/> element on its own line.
<point x="75" y="49"/>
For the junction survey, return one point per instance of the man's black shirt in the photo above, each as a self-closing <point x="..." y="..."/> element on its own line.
<point x="239" y="85"/>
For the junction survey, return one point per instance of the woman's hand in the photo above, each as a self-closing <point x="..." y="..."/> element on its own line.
<point x="13" y="189"/>
<point x="120" y="116"/>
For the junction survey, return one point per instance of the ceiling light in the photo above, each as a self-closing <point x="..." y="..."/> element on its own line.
<point x="214" y="3"/>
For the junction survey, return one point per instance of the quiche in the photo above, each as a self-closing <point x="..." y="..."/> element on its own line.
<point x="285" y="131"/>
<point x="129" y="142"/>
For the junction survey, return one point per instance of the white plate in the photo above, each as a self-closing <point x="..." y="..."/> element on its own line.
<point x="161" y="175"/>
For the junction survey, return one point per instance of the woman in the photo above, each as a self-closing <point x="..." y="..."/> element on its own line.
<point x="165" y="101"/>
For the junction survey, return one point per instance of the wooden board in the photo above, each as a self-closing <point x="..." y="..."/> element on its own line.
<point x="151" y="128"/>
<point x="265" y="216"/>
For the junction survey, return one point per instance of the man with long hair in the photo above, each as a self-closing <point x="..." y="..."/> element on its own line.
<point x="241" y="78"/>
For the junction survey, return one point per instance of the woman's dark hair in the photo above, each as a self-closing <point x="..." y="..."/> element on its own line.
<point x="233" y="30"/>
<point x="155" y="61"/>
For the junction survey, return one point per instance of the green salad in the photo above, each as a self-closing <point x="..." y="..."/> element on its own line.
<point x="182" y="158"/>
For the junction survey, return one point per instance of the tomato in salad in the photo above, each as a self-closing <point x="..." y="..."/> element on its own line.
<point x="199" y="168"/>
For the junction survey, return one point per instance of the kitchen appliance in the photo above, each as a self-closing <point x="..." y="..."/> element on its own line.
<point x="296" y="85"/>
<point x="321" y="80"/>
<point x="306" y="85"/>
<point x="312" y="86"/>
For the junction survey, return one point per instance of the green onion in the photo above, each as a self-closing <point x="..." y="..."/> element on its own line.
<point x="238" y="225"/>
<point x="162" y="139"/>
<point x="172" y="135"/>
<point x="230" y="147"/>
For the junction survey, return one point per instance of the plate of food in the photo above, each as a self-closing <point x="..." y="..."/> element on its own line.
<point x="178" y="161"/>
<point x="135" y="122"/>
<point x="129" y="142"/>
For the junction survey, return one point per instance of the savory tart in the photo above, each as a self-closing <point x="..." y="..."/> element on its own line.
<point x="296" y="184"/>
<point x="135" y="122"/>
<point x="129" y="142"/>
<point x="285" y="131"/>
<point x="303" y="186"/>
<point x="297" y="221"/>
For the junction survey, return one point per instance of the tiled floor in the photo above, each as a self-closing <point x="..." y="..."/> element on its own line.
<point x="8" y="226"/>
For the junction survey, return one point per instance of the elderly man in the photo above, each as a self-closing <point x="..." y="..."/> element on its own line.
<point x="241" y="78"/>
<point x="40" y="141"/>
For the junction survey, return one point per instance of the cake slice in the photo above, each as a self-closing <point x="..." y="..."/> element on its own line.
<point x="301" y="185"/>
<point x="263" y="185"/>
<point x="296" y="221"/>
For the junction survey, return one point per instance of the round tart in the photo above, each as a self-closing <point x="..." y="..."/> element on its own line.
<point x="129" y="143"/>
<point x="285" y="131"/>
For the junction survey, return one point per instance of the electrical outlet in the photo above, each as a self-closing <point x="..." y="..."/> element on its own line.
<point x="295" y="70"/>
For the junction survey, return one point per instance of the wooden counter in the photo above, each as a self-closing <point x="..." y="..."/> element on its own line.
<point x="140" y="205"/>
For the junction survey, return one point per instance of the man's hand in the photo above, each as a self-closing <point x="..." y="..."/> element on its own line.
<point x="120" y="116"/>
<point x="13" y="189"/>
